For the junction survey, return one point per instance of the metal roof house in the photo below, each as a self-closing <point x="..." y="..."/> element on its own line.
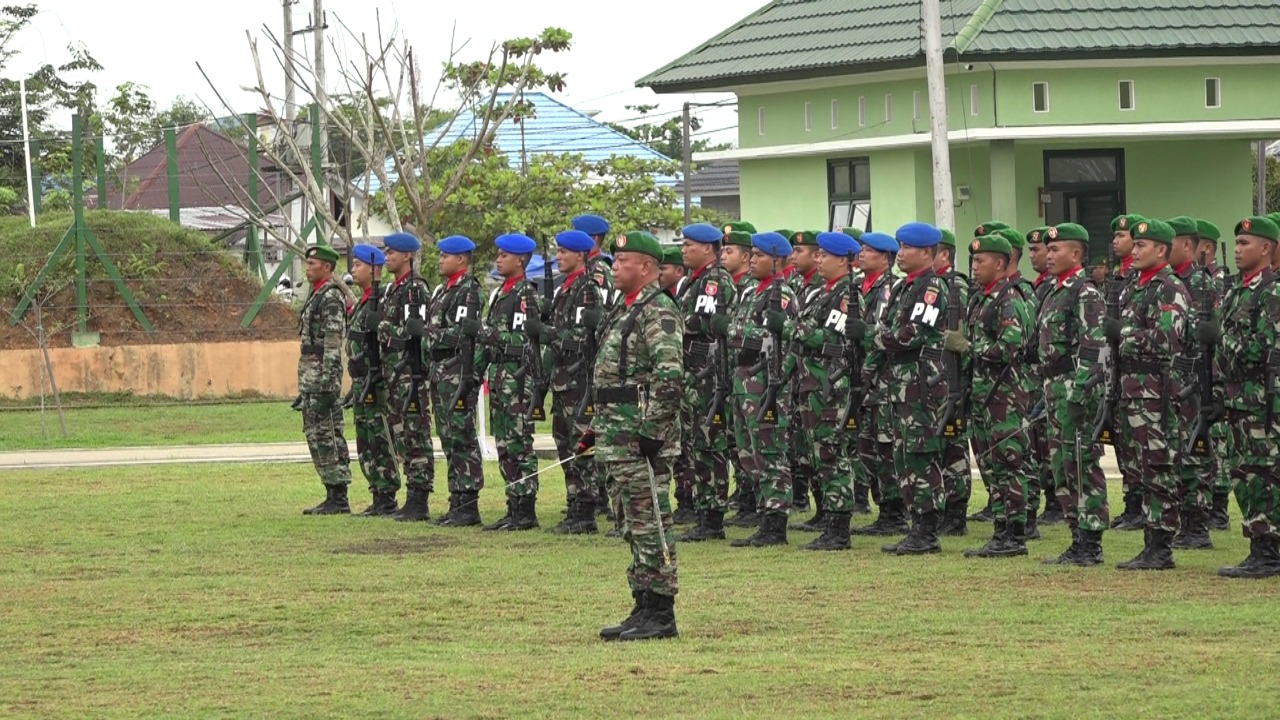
<point x="716" y="186"/>
<point x="1057" y="110"/>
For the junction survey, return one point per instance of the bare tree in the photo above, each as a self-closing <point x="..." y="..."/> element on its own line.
<point x="41" y="335"/>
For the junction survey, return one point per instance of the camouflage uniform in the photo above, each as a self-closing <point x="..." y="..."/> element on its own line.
<point x="1030" y="464"/>
<point x="1197" y="473"/>
<point x="408" y="396"/>
<point x="321" y="326"/>
<point x="802" y="470"/>
<point x="1036" y="463"/>
<point x="876" y="420"/>
<point x="1218" y="432"/>
<point x="369" y="410"/>
<point x="745" y="478"/>
<point x="600" y="270"/>
<point x="957" y="476"/>
<point x="453" y="302"/>
<point x="1123" y="441"/>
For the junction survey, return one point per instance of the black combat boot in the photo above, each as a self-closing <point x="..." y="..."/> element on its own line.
<point x="1015" y="540"/>
<point x="1157" y="553"/>
<point x="1090" y="549"/>
<point x="1052" y="514"/>
<point x="636" y="616"/>
<point x="773" y="531"/>
<point x="523" y="515"/>
<point x="384" y="503"/>
<point x="836" y="536"/>
<point x="1131" y="519"/>
<point x="996" y="542"/>
<point x="603" y="507"/>
<point x="1068" y="556"/>
<point x="465" y="512"/>
<point x="954" y="522"/>
<point x="711" y="527"/>
<point x="1194" y="532"/>
<point x="891" y="521"/>
<point x="1254" y="566"/>
<point x="415" y="505"/>
<point x="684" y="513"/>
<point x="320" y="508"/>
<point x="924" y="540"/>
<point x="1032" y="527"/>
<point x="502" y="522"/>
<point x="1218" y="517"/>
<point x="817" y="523"/>
<point x="746" y="517"/>
<point x="570" y="504"/>
<point x="800" y="490"/>
<point x="983" y="515"/>
<point x="861" y="501"/>
<point x="658" y="621"/>
<point x="582" y="520"/>
<point x="338" y="505"/>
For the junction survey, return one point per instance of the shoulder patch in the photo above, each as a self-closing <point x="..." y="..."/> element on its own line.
<point x="930" y="296"/>
<point x="669" y="325"/>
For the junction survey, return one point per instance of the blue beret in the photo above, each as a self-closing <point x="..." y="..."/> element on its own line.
<point x="880" y="241"/>
<point x="369" y="255"/>
<point x="402" y="241"/>
<point x="703" y="233"/>
<point x="575" y="240"/>
<point x="456" y="245"/>
<point x="591" y="224"/>
<point x="516" y="243"/>
<point x="838" y="244"/>
<point x="919" y="235"/>
<point x="772" y="243"/>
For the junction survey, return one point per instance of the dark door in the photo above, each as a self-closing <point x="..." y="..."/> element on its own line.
<point x="1085" y="187"/>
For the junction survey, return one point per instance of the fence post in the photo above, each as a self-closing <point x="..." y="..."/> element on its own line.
<point x="252" y="247"/>
<point x="171" y="163"/>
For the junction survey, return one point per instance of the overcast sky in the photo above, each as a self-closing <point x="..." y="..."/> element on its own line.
<point x="158" y="42"/>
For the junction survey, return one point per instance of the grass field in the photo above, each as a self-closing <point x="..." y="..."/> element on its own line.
<point x="202" y="592"/>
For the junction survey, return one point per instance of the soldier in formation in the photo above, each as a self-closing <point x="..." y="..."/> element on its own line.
<point x="375" y="445"/>
<point x="322" y="325"/>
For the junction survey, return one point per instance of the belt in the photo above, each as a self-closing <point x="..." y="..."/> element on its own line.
<point x="1144" y="367"/>
<point x="697" y="348"/>
<point x="828" y="350"/>
<point x="903" y="357"/>
<point x="311" y="350"/>
<point x="747" y="358"/>
<point x="438" y="354"/>
<point x="1064" y="365"/>
<point x="1184" y="364"/>
<point x="625" y="395"/>
<point x="991" y="364"/>
<point x="396" y="343"/>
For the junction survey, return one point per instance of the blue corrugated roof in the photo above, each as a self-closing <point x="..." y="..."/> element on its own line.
<point x="555" y="128"/>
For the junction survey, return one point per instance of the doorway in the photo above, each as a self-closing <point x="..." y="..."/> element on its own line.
<point x="1085" y="187"/>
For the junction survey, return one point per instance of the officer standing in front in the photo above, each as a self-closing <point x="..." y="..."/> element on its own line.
<point x="374" y="443"/>
<point x="322" y="325"/>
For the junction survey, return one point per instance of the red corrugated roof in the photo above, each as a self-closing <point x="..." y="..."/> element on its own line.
<point x="213" y="170"/>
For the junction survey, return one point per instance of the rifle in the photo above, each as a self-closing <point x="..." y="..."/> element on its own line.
<point x="715" y="411"/>
<point x="852" y="360"/>
<point x="1108" y="361"/>
<point x="772" y="350"/>
<point x="1203" y="387"/>
<point x="585" y="370"/>
<point x="951" y="424"/>
<point x="371" y="353"/>
<point x="468" y="357"/>
<point x="413" y="348"/>
<point x="543" y="381"/>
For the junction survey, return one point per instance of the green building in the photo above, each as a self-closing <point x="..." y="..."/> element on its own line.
<point x="1058" y="110"/>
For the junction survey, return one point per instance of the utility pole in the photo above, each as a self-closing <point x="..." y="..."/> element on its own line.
<point x="1260" y="192"/>
<point x="686" y="144"/>
<point x="943" y="206"/>
<point x="318" y="24"/>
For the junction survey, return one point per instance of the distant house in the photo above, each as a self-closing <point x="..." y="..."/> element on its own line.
<point x="213" y="171"/>
<point x="715" y="185"/>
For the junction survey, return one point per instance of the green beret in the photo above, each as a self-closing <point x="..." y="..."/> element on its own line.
<point x="1259" y="226"/>
<point x="671" y="255"/>
<point x="1037" y="235"/>
<point x="638" y="241"/>
<point x="990" y="227"/>
<point x="1183" y="225"/>
<point x="948" y="238"/>
<point x="1068" y="231"/>
<point x="854" y="233"/>
<point x="1099" y="261"/>
<point x="741" y="238"/>
<point x="1154" y="230"/>
<point x="740" y="226"/>
<point x="991" y="244"/>
<point x="786" y="233"/>
<point x="1016" y="240"/>
<point x="1274" y="217"/>
<point x="1208" y="231"/>
<point x="322" y="252"/>
<point x="802" y="237"/>
<point x="1126" y="222"/>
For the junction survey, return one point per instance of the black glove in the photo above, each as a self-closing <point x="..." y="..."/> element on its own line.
<point x="534" y="328"/>
<point x="855" y="329"/>
<point x="720" y="326"/>
<point x="470" y="327"/>
<point x="697" y="325"/>
<point x="774" y="321"/>
<point x="1077" y="414"/>
<point x="1209" y="332"/>
<point x="586" y="442"/>
<point x="377" y="316"/>
<point x="298" y="402"/>
<point x="649" y="447"/>
<point x="1215" y="411"/>
<point x="415" y="327"/>
<point x="591" y="319"/>
<point x="1111" y="328"/>
<point x="323" y="402"/>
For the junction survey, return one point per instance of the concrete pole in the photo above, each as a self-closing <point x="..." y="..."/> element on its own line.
<point x="944" y="208"/>
<point x="687" y="164"/>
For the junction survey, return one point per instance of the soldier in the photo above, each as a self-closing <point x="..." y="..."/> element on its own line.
<point x="575" y="312"/>
<point x="998" y="321"/>
<point x="1248" y="364"/>
<point x="874" y="415"/>
<point x="1071" y="344"/>
<point x="1207" y="251"/>
<point x="1150" y="333"/>
<point x="453" y="322"/>
<point x="708" y="294"/>
<point x="957" y="478"/>
<point x="638" y="391"/>
<point x="1036" y="462"/>
<point x="761" y="399"/>
<point x="408" y="396"/>
<point x="805" y="281"/>
<point x="1196" y="472"/>
<point x="321" y="325"/>
<point x="1123" y="442"/>
<point x="374" y="443"/>
<point x="910" y="337"/>
<point x="735" y="257"/>
<point x="672" y="279"/>
<point x="671" y="273"/>
<point x="1210" y="240"/>
<point x="861" y="482"/>
<point x="600" y="270"/>
<point x="822" y="386"/>
<point x="511" y="327"/>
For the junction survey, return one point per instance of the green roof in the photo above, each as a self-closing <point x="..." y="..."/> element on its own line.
<point x="796" y="39"/>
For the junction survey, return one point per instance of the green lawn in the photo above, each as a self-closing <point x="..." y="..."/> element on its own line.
<point x="202" y="592"/>
<point x="130" y="423"/>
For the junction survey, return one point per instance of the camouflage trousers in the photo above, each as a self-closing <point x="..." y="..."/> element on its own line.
<point x="1253" y="456"/>
<point x="409" y="415"/>
<point x="707" y="449"/>
<point x="918" y="457"/>
<point x="457" y="430"/>
<point x="765" y="455"/>
<point x="1197" y="474"/>
<point x="827" y="449"/>
<point x="1037" y="468"/>
<point x="876" y="454"/>
<point x="510" y="399"/>
<point x="957" y="477"/>
<point x="999" y="445"/>
<point x="374" y="443"/>
<point x="1081" y="488"/>
<point x="1128" y="457"/>
<point x="566" y="429"/>
<point x="804" y="477"/>
<point x="322" y="427"/>
<point x="1151" y="425"/>
<point x="1220" y="436"/>
<point x="640" y="526"/>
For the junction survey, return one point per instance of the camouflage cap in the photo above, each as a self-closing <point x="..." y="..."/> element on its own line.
<point x="990" y="227"/>
<point x="1125" y="223"/>
<point x="1183" y="225"/>
<point x="638" y="241"/>
<point x="991" y="244"/>
<point x="1208" y="231"/>
<point x="1259" y="226"/>
<point x="1155" y="231"/>
<point x="1037" y="235"/>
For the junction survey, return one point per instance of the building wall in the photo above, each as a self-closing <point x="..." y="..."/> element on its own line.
<point x="786" y="192"/>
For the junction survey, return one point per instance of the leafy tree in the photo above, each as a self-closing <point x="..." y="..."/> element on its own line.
<point x="180" y="113"/>
<point x="667" y="137"/>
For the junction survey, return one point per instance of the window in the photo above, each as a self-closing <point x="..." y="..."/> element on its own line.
<point x="760" y="120"/>
<point x="849" y="193"/>
<point x="973" y="100"/>
<point x="1040" y="97"/>
<point x="835" y="114"/>
<point x="862" y="112"/>
<point x="1212" y="92"/>
<point x="888" y="107"/>
<point x="915" y="105"/>
<point x="1126" y="95"/>
<point x="808" y="116"/>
